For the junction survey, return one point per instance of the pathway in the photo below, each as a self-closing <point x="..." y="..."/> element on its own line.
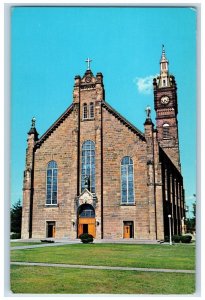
<point x="42" y="245"/>
<point x="102" y="267"/>
<point x="61" y="242"/>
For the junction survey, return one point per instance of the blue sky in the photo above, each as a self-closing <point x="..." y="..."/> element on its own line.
<point x="49" y="47"/>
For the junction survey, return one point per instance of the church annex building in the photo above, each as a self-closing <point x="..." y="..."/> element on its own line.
<point x="94" y="172"/>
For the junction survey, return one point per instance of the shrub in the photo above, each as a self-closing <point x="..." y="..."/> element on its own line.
<point x="47" y="241"/>
<point x="186" y="238"/>
<point x="14" y="236"/>
<point x="176" y="238"/>
<point x="166" y="238"/>
<point x="86" y="238"/>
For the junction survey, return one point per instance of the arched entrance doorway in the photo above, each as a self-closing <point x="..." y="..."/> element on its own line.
<point x="86" y="220"/>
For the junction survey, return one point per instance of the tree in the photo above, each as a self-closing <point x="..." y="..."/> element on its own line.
<point x="16" y="214"/>
<point x="191" y="222"/>
<point x="194" y="213"/>
<point x="194" y="209"/>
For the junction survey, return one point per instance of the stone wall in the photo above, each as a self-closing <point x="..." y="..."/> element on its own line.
<point x="155" y="192"/>
<point x="120" y="141"/>
<point x="60" y="146"/>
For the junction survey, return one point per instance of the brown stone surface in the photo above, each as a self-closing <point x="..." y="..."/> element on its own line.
<point x="155" y="194"/>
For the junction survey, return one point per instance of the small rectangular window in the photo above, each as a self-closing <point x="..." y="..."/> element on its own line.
<point x="91" y="110"/>
<point x="85" y="111"/>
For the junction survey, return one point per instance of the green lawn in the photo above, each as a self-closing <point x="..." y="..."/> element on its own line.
<point x="16" y="244"/>
<point x="48" y="280"/>
<point x="178" y="256"/>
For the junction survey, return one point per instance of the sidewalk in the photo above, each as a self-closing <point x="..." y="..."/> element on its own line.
<point x="97" y="241"/>
<point x="102" y="267"/>
<point x="65" y="241"/>
<point x="61" y="242"/>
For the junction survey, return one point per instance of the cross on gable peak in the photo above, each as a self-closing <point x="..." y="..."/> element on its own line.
<point x="88" y="61"/>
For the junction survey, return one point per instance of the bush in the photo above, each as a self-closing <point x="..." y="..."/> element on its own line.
<point x="166" y="238"/>
<point x="15" y="236"/>
<point x="176" y="238"/>
<point x="47" y="241"/>
<point x="186" y="238"/>
<point x="86" y="238"/>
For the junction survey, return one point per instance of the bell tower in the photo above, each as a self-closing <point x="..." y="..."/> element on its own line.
<point x="165" y="104"/>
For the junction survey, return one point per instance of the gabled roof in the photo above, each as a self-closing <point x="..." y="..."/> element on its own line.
<point x="86" y="191"/>
<point x="70" y="109"/>
<point x="54" y="126"/>
<point x="123" y="120"/>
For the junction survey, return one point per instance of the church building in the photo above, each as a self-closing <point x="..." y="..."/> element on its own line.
<point x="94" y="172"/>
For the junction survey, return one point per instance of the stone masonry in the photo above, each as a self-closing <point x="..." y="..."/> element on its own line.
<point x="157" y="181"/>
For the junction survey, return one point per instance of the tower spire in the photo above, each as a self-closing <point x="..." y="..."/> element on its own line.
<point x="163" y="62"/>
<point x="33" y="129"/>
<point x="163" y="53"/>
<point x="164" y="70"/>
<point x="165" y="104"/>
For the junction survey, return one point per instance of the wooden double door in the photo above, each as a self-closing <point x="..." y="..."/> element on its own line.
<point x="86" y="225"/>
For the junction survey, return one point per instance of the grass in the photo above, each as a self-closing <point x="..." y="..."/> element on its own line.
<point x="57" y="280"/>
<point x="16" y="244"/>
<point x="145" y="256"/>
<point x="50" y="280"/>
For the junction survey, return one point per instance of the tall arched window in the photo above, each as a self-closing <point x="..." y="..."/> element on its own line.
<point x="166" y="131"/>
<point x="91" y="110"/>
<point x="127" y="182"/>
<point x="85" y="111"/>
<point x="88" y="166"/>
<point x="52" y="183"/>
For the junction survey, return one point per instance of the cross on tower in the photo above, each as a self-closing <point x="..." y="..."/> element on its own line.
<point x="88" y="60"/>
<point x="33" y="122"/>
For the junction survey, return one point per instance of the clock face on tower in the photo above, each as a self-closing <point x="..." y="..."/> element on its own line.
<point x="165" y="100"/>
<point x="88" y="78"/>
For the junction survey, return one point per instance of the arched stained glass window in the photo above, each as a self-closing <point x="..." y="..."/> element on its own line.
<point x="52" y="183"/>
<point x="127" y="185"/>
<point x="88" y="166"/>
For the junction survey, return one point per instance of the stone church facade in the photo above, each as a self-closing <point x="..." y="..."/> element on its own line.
<point x="93" y="171"/>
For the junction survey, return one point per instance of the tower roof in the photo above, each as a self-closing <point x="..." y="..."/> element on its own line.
<point x="33" y="129"/>
<point x="163" y="80"/>
<point x="163" y="57"/>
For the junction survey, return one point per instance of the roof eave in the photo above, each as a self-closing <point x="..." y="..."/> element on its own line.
<point x="54" y="126"/>
<point x="123" y="120"/>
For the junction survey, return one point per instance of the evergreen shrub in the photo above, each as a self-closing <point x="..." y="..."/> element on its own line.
<point x="166" y="238"/>
<point x="176" y="238"/>
<point x="15" y="236"/>
<point x="186" y="239"/>
<point x="86" y="238"/>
